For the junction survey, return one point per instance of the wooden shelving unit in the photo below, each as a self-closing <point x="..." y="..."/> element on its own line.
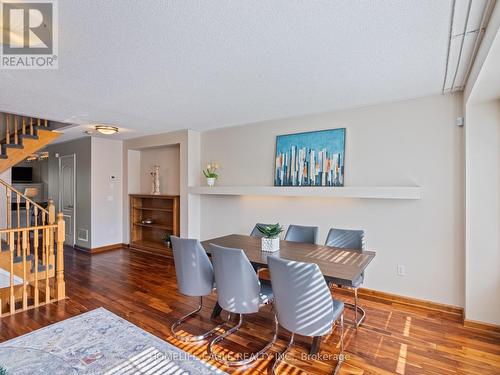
<point x="164" y="211"/>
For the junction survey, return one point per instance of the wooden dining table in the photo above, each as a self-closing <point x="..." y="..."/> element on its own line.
<point x="336" y="264"/>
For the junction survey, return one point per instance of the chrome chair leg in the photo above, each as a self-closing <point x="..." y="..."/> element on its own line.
<point x="193" y="338"/>
<point x="357" y="309"/>
<point x="341" y="354"/>
<point x="251" y="357"/>
<point x="356" y="306"/>
<point x="341" y="359"/>
<point x="280" y="356"/>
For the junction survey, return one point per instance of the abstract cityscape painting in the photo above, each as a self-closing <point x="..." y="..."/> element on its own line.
<point x="310" y="159"/>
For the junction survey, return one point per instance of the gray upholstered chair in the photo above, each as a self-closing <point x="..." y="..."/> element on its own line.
<point x="238" y="292"/>
<point x="300" y="233"/>
<point x="195" y="278"/>
<point x="353" y="240"/>
<point x="303" y="302"/>
<point x="256" y="232"/>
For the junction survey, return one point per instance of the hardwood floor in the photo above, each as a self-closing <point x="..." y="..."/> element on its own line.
<point x="140" y="288"/>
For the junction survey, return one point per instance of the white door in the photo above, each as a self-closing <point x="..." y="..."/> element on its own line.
<point x="67" y="168"/>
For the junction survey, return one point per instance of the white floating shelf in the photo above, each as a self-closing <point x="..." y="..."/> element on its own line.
<point x="366" y="192"/>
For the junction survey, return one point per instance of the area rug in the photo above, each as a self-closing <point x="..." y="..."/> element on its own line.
<point x="96" y="342"/>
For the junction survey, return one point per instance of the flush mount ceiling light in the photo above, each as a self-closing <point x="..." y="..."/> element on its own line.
<point x="105" y="129"/>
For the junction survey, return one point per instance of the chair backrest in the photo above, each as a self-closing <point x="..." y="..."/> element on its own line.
<point x="195" y="274"/>
<point x="256" y="232"/>
<point x="346" y="239"/>
<point x="238" y="287"/>
<point x="302" y="298"/>
<point x="299" y="233"/>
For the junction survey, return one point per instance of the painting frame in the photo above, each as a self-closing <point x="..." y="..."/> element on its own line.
<point x="326" y="148"/>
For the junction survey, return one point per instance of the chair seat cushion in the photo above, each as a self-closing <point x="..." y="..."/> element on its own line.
<point x="266" y="293"/>
<point x="338" y="308"/>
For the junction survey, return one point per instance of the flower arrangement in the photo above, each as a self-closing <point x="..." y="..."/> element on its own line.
<point x="211" y="173"/>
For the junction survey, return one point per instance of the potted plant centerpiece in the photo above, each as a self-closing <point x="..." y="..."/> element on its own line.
<point x="210" y="173"/>
<point x="271" y="240"/>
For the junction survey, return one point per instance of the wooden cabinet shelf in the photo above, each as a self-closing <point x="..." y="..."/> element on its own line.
<point x="153" y="209"/>
<point x="158" y="226"/>
<point x="164" y="211"/>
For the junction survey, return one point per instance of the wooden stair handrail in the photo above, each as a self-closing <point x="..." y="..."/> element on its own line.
<point x="35" y="256"/>
<point x="39" y="227"/>
<point x="60" y="237"/>
<point x="49" y="280"/>
<point x="7" y="129"/>
<point x="12" y="188"/>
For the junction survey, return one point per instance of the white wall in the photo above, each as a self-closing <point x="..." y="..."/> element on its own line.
<point x="482" y="124"/>
<point x="134" y="172"/>
<point x="106" y="193"/>
<point x="168" y="158"/>
<point x="413" y="142"/>
<point x="483" y="212"/>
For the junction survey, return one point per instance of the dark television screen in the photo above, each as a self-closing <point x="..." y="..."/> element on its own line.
<point x="22" y="174"/>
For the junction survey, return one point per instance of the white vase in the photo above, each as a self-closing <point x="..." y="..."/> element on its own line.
<point x="210" y="181"/>
<point x="270" y="244"/>
<point x="155" y="189"/>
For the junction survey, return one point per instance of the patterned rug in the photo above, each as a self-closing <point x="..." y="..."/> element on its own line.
<point x="96" y="342"/>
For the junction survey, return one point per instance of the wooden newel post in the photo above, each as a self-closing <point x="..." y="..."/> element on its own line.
<point x="52" y="212"/>
<point x="60" y="285"/>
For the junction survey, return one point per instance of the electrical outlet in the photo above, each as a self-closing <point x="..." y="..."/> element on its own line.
<point x="401" y="270"/>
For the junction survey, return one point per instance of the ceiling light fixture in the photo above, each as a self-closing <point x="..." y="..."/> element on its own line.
<point x="38" y="156"/>
<point x="105" y="129"/>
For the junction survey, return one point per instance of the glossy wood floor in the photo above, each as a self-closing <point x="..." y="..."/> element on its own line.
<point x="142" y="289"/>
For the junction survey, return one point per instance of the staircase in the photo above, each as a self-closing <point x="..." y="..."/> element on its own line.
<point x="23" y="136"/>
<point x="31" y="236"/>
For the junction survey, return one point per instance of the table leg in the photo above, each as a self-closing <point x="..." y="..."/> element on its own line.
<point x="315" y="345"/>
<point x="216" y="311"/>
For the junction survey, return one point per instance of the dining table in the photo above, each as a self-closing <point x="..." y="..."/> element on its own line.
<point x="338" y="265"/>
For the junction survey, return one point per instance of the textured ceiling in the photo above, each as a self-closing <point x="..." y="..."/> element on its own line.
<point x="157" y="65"/>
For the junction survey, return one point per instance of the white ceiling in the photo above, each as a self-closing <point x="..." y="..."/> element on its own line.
<point x="157" y="65"/>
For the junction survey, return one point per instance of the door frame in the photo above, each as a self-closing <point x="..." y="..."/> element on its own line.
<point x="74" y="192"/>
